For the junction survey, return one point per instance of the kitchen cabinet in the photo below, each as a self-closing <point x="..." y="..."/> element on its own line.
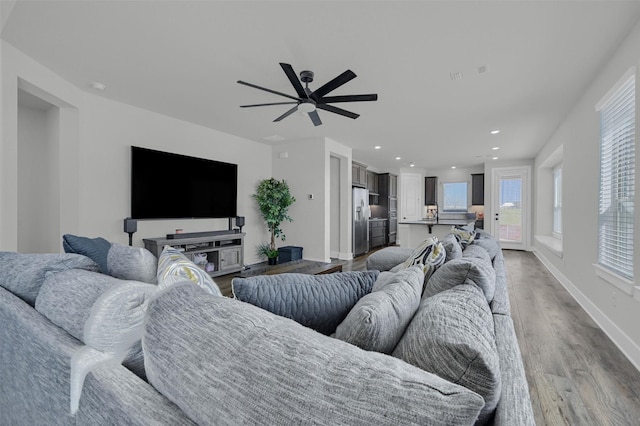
<point x="377" y="232"/>
<point x="388" y="189"/>
<point x="372" y="183"/>
<point x="477" y="189"/>
<point x="431" y="191"/>
<point x="358" y="174"/>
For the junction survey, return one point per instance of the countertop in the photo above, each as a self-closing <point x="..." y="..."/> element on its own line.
<point x="432" y="222"/>
<point x="378" y="218"/>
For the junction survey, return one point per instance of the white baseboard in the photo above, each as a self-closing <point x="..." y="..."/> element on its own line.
<point x="628" y="347"/>
<point x="341" y="255"/>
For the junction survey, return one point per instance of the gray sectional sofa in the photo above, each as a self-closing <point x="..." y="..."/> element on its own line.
<point x="219" y="361"/>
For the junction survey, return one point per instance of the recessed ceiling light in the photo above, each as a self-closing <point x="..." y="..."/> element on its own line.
<point x="377" y="147"/>
<point x="495" y="132"/>
<point x="494" y="158"/>
<point x="398" y="158"/>
<point x="274" y="138"/>
<point x="453" y="167"/>
<point x="495" y="148"/>
<point x="98" y="86"/>
<point x="412" y="165"/>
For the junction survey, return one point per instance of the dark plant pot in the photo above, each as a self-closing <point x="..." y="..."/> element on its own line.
<point x="273" y="261"/>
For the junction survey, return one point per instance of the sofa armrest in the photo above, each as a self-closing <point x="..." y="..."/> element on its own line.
<point x="387" y="258"/>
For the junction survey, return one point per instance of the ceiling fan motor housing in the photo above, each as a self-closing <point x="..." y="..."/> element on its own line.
<point x="306" y="76"/>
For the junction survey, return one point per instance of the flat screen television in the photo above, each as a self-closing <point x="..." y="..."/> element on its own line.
<point x="173" y="186"/>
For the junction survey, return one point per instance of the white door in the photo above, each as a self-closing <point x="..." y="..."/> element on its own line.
<point x="510" y="195"/>
<point x="411" y="205"/>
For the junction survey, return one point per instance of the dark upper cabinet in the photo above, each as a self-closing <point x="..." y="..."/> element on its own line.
<point x="359" y="174"/>
<point x="372" y="183"/>
<point x="430" y="190"/>
<point x="477" y="189"/>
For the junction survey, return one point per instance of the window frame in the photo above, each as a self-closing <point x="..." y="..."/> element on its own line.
<point x="619" y="270"/>
<point x="556" y="227"/>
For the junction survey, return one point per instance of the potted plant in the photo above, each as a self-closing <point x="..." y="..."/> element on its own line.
<point x="273" y="199"/>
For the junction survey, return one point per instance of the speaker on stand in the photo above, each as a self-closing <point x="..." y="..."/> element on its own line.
<point x="240" y="224"/>
<point x="130" y="227"/>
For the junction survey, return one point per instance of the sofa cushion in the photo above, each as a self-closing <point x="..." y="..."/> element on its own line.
<point x="387" y="258"/>
<point x="430" y="254"/>
<point x="489" y="244"/>
<point x="174" y="267"/>
<point x="23" y="274"/>
<point x="96" y="249"/>
<point x="451" y="247"/>
<point x="227" y="362"/>
<point x="70" y="298"/>
<point x="457" y="271"/>
<point x="66" y="298"/>
<point x="320" y="302"/>
<point x="112" y="333"/>
<point x="132" y="263"/>
<point x="452" y="335"/>
<point x="379" y="319"/>
<point x="477" y="252"/>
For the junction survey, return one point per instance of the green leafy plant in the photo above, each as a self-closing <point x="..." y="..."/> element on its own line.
<point x="273" y="199"/>
<point x="265" y="250"/>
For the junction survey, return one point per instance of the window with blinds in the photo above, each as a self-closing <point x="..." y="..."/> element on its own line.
<point x="617" y="177"/>
<point x="557" y="201"/>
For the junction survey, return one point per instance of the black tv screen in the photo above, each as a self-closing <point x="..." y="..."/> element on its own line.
<point x="173" y="186"/>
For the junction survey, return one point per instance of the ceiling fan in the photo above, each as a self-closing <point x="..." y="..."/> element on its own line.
<point x="309" y="101"/>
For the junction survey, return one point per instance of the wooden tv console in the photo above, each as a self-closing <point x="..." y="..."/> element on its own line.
<point x="224" y="251"/>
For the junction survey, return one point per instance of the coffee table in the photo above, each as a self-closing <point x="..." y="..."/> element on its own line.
<point x="302" y="266"/>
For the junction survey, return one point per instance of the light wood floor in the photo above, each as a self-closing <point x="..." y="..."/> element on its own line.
<point x="576" y="375"/>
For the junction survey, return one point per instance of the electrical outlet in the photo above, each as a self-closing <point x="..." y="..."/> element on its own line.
<point x="310" y="196"/>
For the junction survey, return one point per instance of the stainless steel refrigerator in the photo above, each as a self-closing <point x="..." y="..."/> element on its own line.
<point x="361" y="214"/>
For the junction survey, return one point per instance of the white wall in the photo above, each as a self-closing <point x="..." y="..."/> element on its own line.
<point x="38" y="213"/>
<point x="335" y="207"/>
<point x="94" y="174"/>
<point x="615" y="311"/>
<point x="307" y="169"/>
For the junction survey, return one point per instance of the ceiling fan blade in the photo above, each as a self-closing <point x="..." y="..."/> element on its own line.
<point x="269" y="90"/>
<point x="343" y="78"/>
<point x="349" y="98"/>
<point x="337" y="110"/>
<point x="315" y="118"/>
<point x="273" y="103"/>
<point x="293" y="78"/>
<point x="286" y="114"/>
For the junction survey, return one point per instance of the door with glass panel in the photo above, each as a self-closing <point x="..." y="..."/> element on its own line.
<point x="510" y="208"/>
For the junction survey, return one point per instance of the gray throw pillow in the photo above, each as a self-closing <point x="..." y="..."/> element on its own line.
<point x="379" y="319"/>
<point x="132" y="263"/>
<point x="94" y="248"/>
<point x="119" y="261"/>
<point x="457" y="271"/>
<point x="224" y="362"/>
<point x="320" y="302"/>
<point x="23" y="274"/>
<point x="452" y="335"/>
<point x="452" y="247"/>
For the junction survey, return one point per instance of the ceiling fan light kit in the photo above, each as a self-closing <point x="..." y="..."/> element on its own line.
<point x="308" y="101"/>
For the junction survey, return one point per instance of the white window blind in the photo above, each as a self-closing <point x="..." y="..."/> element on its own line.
<point x="557" y="201"/>
<point x="617" y="177"/>
<point x="454" y="196"/>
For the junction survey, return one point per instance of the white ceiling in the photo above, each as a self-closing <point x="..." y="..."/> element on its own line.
<point x="183" y="58"/>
